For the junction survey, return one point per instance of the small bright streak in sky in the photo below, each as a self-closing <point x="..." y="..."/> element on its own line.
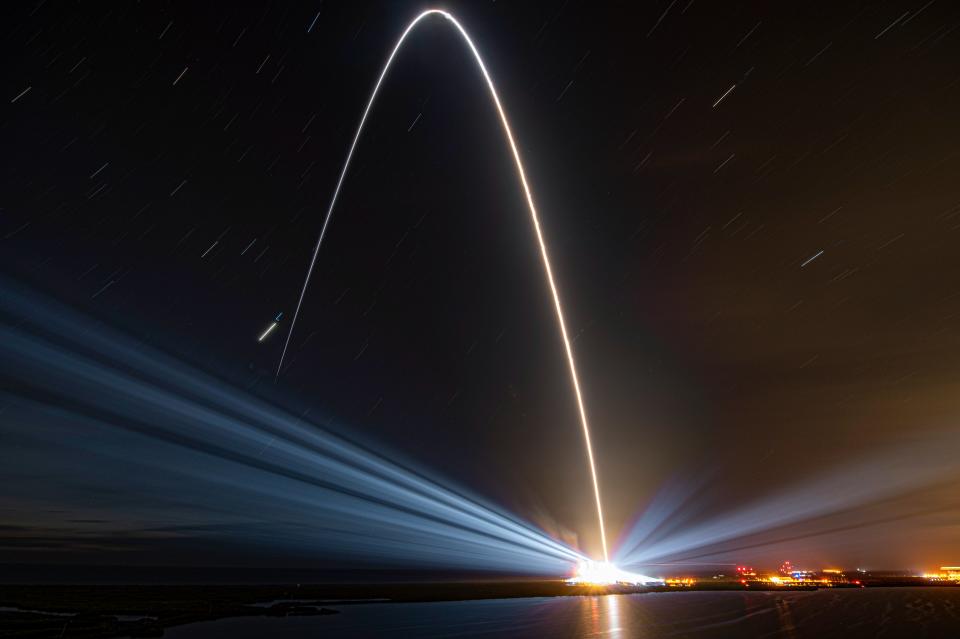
<point x="312" y="24"/>
<point x="21" y="94"/>
<point x="182" y="73"/>
<point x="812" y="258"/>
<point x="276" y="322"/>
<point x="720" y="99"/>
<point x="267" y="332"/>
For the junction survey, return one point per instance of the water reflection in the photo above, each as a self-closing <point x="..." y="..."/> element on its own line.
<point x="613" y="616"/>
<point x="601" y="617"/>
<point x="823" y="614"/>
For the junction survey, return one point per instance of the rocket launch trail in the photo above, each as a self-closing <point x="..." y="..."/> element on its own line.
<point x="534" y="218"/>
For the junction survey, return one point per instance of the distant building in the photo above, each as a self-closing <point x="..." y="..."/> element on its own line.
<point x="746" y="572"/>
<point x="947" y="573"/>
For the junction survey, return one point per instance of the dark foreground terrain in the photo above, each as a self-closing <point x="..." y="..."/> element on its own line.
<point x="147" y="610"/>
<point x="869" y="613"/>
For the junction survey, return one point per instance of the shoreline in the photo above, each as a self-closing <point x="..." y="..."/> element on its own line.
<point x="99" y="611"/>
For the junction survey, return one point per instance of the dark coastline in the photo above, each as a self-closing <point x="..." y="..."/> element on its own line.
<point x="100" y="611"/>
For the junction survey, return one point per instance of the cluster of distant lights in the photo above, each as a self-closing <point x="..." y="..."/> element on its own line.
<point x="947" y="573"/>
<point x="788" y="576"/>
<point x="602" y="573"/>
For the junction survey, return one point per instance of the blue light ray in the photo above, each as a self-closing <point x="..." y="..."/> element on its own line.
<point x="242" y="463"/>
<point x="859" y="494"/>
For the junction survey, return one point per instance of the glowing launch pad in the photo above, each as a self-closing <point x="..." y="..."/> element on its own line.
<point x="604" y="573"/>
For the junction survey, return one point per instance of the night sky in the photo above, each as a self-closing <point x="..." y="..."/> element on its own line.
<point x="753" y="212"/>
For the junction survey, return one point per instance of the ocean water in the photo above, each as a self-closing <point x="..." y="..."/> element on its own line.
<point x="913" y="613"/>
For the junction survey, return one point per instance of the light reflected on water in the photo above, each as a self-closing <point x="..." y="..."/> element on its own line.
<point x="602" y="618"/>
<point x="823" y="614"/>
<point x="614" y="629"/>
<point x="594" y="604"/>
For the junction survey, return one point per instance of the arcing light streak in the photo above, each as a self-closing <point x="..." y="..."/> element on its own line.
<point x="533" y="218"/>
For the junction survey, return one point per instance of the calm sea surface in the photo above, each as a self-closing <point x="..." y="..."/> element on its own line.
<point x="875" y="612"/>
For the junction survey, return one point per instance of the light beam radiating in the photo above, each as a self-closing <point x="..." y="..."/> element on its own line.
<point x="146" y="449"/>
<point x="887" y="485"/>
<point x="534" y="218"/>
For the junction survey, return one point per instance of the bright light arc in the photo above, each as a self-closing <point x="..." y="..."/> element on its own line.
<point x="533" y="217"/>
